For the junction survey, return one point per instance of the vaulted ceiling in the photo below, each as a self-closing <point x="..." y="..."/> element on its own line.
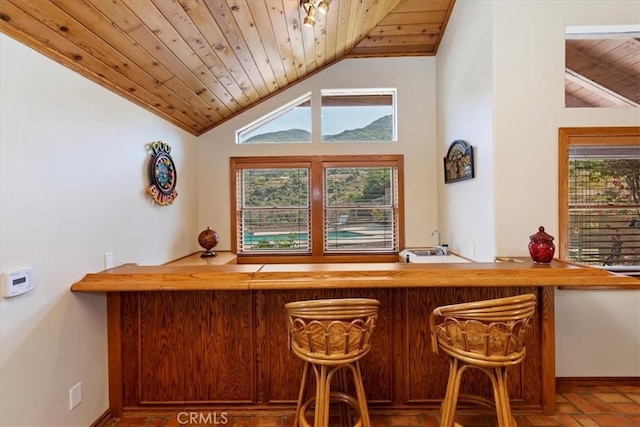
<point x="197" y="63"/>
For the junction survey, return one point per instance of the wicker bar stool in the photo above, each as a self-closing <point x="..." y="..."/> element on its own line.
<point x="487" y="335"/>
<point x="331" y="336"/>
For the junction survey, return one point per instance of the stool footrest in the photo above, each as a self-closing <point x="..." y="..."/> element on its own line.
<point x="479" y="400"/>
<point x="334" y="396"/>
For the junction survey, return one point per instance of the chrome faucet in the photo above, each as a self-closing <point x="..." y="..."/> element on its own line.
<point x="440" y="250"/>
<point x="437" y="232"/>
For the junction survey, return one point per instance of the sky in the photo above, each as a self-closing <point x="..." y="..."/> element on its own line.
<point x="334" y="119"/>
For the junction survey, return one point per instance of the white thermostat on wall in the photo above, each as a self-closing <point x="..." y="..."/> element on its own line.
<point x="18" y="281"/>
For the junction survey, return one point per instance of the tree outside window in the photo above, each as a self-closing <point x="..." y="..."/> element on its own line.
<point x="600" y="197"/>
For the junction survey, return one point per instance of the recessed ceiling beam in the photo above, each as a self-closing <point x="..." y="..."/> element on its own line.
<point x="599" y="89"/>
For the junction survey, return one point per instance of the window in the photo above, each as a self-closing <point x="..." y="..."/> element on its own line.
<point x="347" y="115"/>
<point x="317" y="208"/>
<point x="358" y="115"/>
<point x="599" y="60"/>
<point x="600" y="196"/>
<point x="290" y="123"/>
<point x="361" y="205"/>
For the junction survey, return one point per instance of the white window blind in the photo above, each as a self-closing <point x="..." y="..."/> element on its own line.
<point x="361" y="209"/>
<point x="604" y="205"/>
<point x="274" y="210"/>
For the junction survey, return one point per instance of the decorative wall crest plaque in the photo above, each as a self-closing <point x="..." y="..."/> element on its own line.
<point x="458" y="163"/>
<point x="162" y="174"/>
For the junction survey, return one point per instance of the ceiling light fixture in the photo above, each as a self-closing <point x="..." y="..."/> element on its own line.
<point x="311" y="7"/>
<point x="323" y="7"/>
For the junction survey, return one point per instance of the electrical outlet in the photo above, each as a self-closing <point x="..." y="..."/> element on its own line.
<point x="75" y="395"/>
<point x="108" y="260"/>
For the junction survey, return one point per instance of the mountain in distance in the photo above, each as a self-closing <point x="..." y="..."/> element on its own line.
<point x="291" y="135"/>
<point x="378" y="130"/>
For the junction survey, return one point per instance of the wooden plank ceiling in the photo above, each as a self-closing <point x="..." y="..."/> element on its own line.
<point x="602" y="71"/>
<point x="197" y="63"/>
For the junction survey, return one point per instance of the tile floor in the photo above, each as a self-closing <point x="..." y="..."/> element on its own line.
<point x="577" y="406"/>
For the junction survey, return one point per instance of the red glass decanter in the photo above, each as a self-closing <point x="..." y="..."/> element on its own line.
<point x="541" y="247"/>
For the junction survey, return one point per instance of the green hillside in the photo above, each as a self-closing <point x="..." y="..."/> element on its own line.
<point x="291" y="135"/>
<point x="378" y="130"/>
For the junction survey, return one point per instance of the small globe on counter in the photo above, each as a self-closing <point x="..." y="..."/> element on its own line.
<point x="208" y="239"/>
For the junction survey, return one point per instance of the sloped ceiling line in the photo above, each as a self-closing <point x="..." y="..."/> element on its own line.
<point x="610" y="95"/>
<point x="198" y="63"/>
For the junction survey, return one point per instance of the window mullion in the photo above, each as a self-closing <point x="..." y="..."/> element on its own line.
<point x="317" y="207"/>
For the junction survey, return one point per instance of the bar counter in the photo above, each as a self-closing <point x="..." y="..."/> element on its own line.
<point x="195" y="273"/>
<point x="209" y="333"/>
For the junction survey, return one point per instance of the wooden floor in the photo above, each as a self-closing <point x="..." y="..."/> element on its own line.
<point x="577" y="406"/>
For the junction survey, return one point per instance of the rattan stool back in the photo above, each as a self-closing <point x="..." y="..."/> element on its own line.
<point x="331" y="336"/>
<point x="488" y="335"/>
<point x="332" y="331"/>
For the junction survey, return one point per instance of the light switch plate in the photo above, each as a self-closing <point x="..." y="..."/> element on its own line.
<point x="75" y="395"/>
<point x="108" y="260"/>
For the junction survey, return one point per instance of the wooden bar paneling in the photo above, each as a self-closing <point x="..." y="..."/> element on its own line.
<point x="175" y="344"/>
<point x="162" y="349"/>
<point x="546" y="308"/>
<point x="194" y="334"/>
<point x="219" y="333"/>
<point x="220" y="348"/>
<point x="130" y="355"/>
<point x="114" y="343"/>
<point x="429" y="372"/>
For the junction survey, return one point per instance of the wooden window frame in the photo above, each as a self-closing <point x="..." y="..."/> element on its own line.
<point x="582" y="136"/>
<point x="362" y="98"/>
<point x="318" y="163"/>
<point x="302" y="101"/>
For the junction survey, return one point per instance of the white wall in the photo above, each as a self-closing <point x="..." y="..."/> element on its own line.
<point x="529" y="99"/>
<point x="73" y="175"/>
<point x="597" y="332"/>
<point x="465" y="111"/>
<point x="414" y="79"/>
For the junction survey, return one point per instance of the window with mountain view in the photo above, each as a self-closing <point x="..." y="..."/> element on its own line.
<point x="358" y="115"/>
<point x="290" y="123"/>
<point x="600" y="197"/>
<point x="347" y="115"/>
<point x="316" y="206"/>
<point x="360" y="208"/>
